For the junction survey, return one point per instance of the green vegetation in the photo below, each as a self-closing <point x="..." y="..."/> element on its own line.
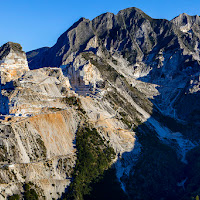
<point x="54" y="109"/>
<point x="31" y="195"/>
<point x="29" y="192"/>
<point x="14" y="197"/>
<point x="107" y="188"/>
<point x="15" y="46"/>
<point x="93" y="158"/>
<point x="70" y="101"/>
<point x="74" y="101"/>
<point x="42" y="146"/>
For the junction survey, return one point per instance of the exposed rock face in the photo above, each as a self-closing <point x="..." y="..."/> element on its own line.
<point x="157" y="51"/>
<point x="13" y="62"/>
<point x="40" y="150"/>
<point x="37" y="149"/>
<point x="38" y="90"/>
<point x="134" y="79"/>
<point x="187" y="23"/>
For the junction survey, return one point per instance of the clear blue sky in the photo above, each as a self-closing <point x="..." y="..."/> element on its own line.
<point x="38" y="23"/>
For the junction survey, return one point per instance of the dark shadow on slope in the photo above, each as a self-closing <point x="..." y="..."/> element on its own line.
<point x="155" y="175"/>
<point x="108" y="187"/>
<point x="4" y="105"/>
<point x="174" y="79"/>
<point x="7" y="88"/>
<point x="93" y="157"/>
<point x="158" y="173"/>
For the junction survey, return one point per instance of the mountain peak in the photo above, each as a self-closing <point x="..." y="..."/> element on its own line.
<point x="82" y="19"/>
<point x="133" y="11"/>
<point x="184" y="14"/>
<point x="186" y="22"/>
<point x="14" y="46"/>
<point x="129" y="10"/>
<point x="7" y="47"/>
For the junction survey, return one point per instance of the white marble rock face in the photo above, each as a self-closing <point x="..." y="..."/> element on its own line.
<point x="13" y="66"/>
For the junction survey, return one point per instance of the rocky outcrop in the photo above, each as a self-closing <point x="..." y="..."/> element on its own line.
<point x="38" y="90"/>
<point x="38" y="150"/>
<point x="37" y="128"/>
<point x="187" y="23"/>
<point x="13" y="62"/>
<point x="38" y="132"/>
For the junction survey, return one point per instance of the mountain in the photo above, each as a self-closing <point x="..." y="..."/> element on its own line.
<point x="36" y="52"/>
<point x="156" y="51"/>
<point x="111" y="111"/>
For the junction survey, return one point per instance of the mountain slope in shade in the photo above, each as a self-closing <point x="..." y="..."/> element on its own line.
<point x="36" y="52"/>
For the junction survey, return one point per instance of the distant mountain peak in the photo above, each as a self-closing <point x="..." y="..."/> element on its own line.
<point x="185" y="18"/>
<point x="187" y="22"/>
<point x="131" y="9"/>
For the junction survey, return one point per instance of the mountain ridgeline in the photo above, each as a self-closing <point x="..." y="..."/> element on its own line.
<point x="131" y="33"/>
<point x="111" y="111"/>
<point x="157" y="51"/>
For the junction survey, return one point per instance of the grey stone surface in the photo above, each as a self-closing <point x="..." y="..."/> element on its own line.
<point x="134" y="78"/>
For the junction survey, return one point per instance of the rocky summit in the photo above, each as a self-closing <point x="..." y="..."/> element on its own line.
<point x="111" y="111"/>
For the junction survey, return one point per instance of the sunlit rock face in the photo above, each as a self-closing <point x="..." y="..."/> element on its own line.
<point x="13" y="62"/>
<point x="158" y="51"/>
<point x="186" y="22"/>
<point x="40" y="150"/>
<point x="38" y="90"/>
<point x="133" y="78"/>
<point x="84" y="77"/>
